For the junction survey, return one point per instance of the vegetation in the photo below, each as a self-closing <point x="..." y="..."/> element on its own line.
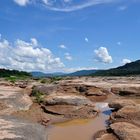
<point x="126" y="70"/>
<point x="9" y="73"/>
<point x="44" y="80"/>
<point x="38" y="96"/>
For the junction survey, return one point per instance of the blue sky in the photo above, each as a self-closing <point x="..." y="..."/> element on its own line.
<point x="68" y="35"/>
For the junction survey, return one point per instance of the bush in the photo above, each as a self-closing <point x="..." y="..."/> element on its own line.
<point x="38" y="96"/>
<point x="43" y="81"/>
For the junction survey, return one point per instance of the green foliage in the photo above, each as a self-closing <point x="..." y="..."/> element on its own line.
<point x="9" y="73"/>
<point x="13" y="79"/>
<point x="44" y="81"/>
<point x="55" y="79"/>
<point x="38" y="96"/>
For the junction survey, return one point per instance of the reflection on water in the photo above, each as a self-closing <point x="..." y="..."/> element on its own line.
<point x="81" y="129"/>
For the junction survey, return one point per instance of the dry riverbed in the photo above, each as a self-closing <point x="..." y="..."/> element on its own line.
<point x="88" y="108"/>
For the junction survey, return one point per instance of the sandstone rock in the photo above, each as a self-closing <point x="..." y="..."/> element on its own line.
<point x="126" y="131"/>
<point x="107" y="137"/>
<point x="67" y="100"/>
<point x="15" y="129"/>
<point x="70" y="111"/>
<point x="14" y="99"/>
<point x="129" y="113"/>
<point x="44" y="89"/>
<point x="120" y="103"/>
<point x="126" y="91"/>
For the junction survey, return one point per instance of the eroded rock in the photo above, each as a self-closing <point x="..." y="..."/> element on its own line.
<point x="120" y="103"/>
<point x="67" y="100"/>
<point x="12" y="128"/>
<point x="129" y="113"/>
<point x="126" y="131"/>
<point x="126" y="91"/>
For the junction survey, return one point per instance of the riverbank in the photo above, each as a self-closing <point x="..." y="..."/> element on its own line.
<point x="75" y="108"/>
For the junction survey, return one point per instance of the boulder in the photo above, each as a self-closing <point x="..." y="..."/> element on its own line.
<point x="70" y="111"/>
<point x="129" y="113"/>
<point x="44" y="89"/>
<point x="107" y="136"/>
<point x="67" y="100"/>
<point x="120" y="103"/>
<point x="126" y="91"/>
<point x="126" y="131"/>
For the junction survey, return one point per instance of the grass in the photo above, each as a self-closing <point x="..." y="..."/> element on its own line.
<point x="50" y="80"/>
<point x="14" y="79"/>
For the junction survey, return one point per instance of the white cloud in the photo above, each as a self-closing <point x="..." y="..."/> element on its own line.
<point x="122" y="8"/>
<point x="119" y="43"/>
<point x="69" y="70"/>
<point x="81" y="5"/>
<point x="67" y="1"/>
<point x="34" y="42"/>
<point x="62" y="46"/>
<point x="68" y="56"/>
<point x="86" y="39"/>
<point x="125" y="61"/>
<point x="28" y="56"/>
<point x="102" y="55"/>
<point x="64" y="5"/>
<point x="22" y="2"/>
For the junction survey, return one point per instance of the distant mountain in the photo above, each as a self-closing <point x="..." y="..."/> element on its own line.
<point x="82" y="73"/>
<point x="8" y="73"/>
<point x="77" y="73"/>
<point x="132" y="68"/>
<point x="41" y="74"/>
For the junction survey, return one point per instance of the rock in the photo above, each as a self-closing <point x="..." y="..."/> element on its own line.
<point x="14" y="99"/>
<point x="120" y="103"/>
<point x="12" y="128"/>
<point x="107" y="137"/>
<point x="91" y="90"/>
<point x="71" y="112"/>
<point x="126" y="91"/>
<point x="47" y="90"/>
<point x="126" y="131"/>
<point x="67" y="100"/>
<point x="129" y="113"/>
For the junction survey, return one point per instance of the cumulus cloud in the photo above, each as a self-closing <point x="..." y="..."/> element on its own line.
<point x="125" y="61"/>
<point x="102" y="55"/>
<point x="62" y="46"/>
<point x="22" y="2"/>
<point x="68" y="56"/>
<point x="27" y="56"/>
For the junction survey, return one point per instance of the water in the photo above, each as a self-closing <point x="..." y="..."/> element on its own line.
<point x="81" y="129"/>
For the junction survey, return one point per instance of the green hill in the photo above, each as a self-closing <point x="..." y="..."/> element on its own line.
<point x="8" y="73"/>
<point x="132" y="68"/>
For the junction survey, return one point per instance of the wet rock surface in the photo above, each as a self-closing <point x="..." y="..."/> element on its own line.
<point x="125" y="121"/>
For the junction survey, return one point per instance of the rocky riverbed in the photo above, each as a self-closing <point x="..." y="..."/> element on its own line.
<point x="28" y="111"/>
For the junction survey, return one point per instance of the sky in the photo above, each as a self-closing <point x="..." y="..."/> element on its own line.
<point x="68" y="35"/>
